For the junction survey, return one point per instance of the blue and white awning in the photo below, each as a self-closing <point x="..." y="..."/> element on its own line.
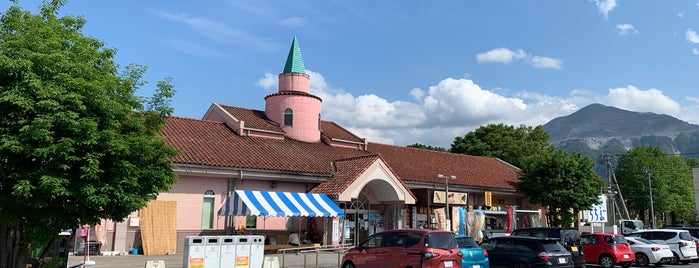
<point x="259" y="203"/>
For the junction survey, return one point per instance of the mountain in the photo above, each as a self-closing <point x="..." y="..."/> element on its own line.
<point x="598" y="129"/>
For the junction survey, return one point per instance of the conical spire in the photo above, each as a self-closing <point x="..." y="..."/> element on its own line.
<point x="294" y="62"/>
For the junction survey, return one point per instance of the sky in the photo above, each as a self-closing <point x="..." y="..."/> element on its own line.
<point x="405" y="72"/>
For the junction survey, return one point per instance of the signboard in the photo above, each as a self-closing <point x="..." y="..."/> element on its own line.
<point x="454" y="198"/>
<point x="488" y="198"/>
<point x="598" y="213"/>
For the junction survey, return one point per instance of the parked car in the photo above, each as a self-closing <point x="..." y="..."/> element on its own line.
<point x="607" y="250"/>
<point x="405" y="248"/>
<point x="522" y="252"/>
<point x="681" y="243"/>
<point x="474" y="255"/>
<point x="568" y="237"/>
<point x="648" y="252"/>
<point x="694" y="231"/>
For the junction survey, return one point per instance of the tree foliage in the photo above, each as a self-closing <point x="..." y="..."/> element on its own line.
<point x="508" y="143"/>
<point x="427" y="147"/>
<point x="76" y="144"/>
<point x="671" y="181"/>
<point x="564" y="183"/>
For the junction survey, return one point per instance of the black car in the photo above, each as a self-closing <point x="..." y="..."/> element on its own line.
<point x="568" y="237"/>
<point x="521" y="252"/>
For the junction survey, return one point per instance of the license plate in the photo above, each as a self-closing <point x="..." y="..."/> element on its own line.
<point x="562" y="260"/>
<point x="573" y="248"/>
<point x="448" y="264"/>
<point x="626" y="256"/>
<point x="476" y="266"/>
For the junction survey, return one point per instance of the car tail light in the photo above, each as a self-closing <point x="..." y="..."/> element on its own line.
<point x="654" y="248"/>
<point x="544" y="256"/>
<point x="683" y="244"/>
<point x="459" y="253"/>
<point x="485" y="253"/>
<point x="429" y="255"/>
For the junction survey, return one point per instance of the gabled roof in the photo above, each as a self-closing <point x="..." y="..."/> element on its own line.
<point x="294" y="62"/>
<point x="347" y="171"/>
<point x="253" y="118"/>
<point x="334" y="131"/>
<point x="420" y="165"/>
<point x="210" y="143"/>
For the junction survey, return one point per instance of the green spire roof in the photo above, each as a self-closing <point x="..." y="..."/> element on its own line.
<point x="294" y="62"/>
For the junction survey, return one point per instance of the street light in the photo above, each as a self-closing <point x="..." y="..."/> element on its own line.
<point x="446" y="184"/>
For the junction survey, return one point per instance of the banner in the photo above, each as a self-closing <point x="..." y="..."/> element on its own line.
<point x="454" y="198"/>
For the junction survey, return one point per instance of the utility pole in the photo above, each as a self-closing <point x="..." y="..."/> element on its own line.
<point x="650" y="191"/>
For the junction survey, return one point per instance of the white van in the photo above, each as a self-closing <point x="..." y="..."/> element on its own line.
<point x="680" y="241"/>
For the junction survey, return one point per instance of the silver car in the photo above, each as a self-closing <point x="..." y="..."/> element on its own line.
<point x="648" y="252"/>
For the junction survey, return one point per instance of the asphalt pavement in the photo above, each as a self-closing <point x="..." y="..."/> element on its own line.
<point x="290" y="260"/>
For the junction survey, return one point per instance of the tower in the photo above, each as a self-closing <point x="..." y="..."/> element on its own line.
<point x="293" y="107"/>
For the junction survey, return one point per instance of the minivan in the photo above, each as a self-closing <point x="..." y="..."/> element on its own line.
<point x="568" y="237"/>
<point x="681" y="243"/>
<point x="405" y="248"/>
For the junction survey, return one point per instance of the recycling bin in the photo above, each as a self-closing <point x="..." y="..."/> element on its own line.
<point x="212" y="251"/>
<point x="227" y="259"/>
<point x="257" y="250"/>
<point x="193" y="252"/>
<point x="243" y="244"/>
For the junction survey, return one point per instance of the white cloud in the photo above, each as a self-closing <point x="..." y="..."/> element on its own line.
<point x="605" y="6"/>
<point x="501" y="55"/>
<point x="269" y="82"/>
<point x="506" y="56"/>
<point x="692" y="36"/>
<point x="624" y="29"/>
<point x="454" y="107"/>
<point x="294" y="22"/>
<point x="634" y="99"/>
<point x="546" y="62"/>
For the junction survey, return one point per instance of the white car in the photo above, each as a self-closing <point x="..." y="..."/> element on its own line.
<point x="680" y="241"/>
<point x="648" y="252"/>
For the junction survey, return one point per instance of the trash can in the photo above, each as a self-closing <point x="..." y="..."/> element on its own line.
<point x="242" y="251"/>
<point x="227" y="252"/>
<point x="257" y="250"/>
<point x="212" y="251"/>
<point x="193" y="252"/>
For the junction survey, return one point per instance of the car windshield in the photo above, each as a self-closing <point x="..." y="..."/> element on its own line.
<point x="570" y="236"/>
<point x="686" y="236"/>
<point x="643" y="240"/>
<point x="620" y="239"/>
<point x="466" y="242"/>
<point x="440" y="240"/>
<point x="552" y="246"/>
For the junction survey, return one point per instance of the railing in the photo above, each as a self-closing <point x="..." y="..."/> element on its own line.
<point x="315" y="250"/>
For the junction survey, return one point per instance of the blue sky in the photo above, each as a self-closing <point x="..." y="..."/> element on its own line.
<point x="404" y="72"/>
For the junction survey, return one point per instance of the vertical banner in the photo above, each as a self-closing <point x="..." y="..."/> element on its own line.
<point x="336" y="231"/>
<point x="509" y="220"/>
<point x="441" y="218"/>
<point x="454" y="218"/>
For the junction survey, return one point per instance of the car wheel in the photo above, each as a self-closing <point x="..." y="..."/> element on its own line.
<point x="642" y="260"/>
<point x="675" y="259"/>
<point x="521" y="265"/>
<point x="348" y="264"/>
<point x="606" y="261"/>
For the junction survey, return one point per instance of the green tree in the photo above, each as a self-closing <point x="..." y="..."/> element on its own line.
<point x="671" y="180"/>
<point x="564" y="183"/>
<point x="507" y="143"/>
<point x="76" y="144"/>
<point x="427" y="147"/>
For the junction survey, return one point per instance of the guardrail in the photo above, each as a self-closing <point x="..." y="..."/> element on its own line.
<point x="315" y="250"/>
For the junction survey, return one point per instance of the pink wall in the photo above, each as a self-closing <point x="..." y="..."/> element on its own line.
<point x="306" y="110"/>
<point x="294" y="82"/>
<point x="189" y="194"/>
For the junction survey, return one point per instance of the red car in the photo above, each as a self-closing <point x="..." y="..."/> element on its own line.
<point x="607" y="250"/>
<point x="405" y="248"/>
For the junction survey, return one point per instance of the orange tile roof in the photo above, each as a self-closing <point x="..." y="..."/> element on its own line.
<point x="211" y="143"/>
<point x="346" y="172"/>
<point x="419" y="165"/>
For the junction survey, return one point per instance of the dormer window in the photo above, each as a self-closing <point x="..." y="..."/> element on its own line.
<point x="288" y="117"/>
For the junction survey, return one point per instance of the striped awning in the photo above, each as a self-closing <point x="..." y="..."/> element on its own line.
<point x="260" y="203"/>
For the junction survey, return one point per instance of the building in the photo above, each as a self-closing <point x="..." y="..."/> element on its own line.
<point x="289" y="148"/>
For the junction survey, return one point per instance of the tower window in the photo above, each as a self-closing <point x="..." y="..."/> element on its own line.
<point x="288" y="117"/>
